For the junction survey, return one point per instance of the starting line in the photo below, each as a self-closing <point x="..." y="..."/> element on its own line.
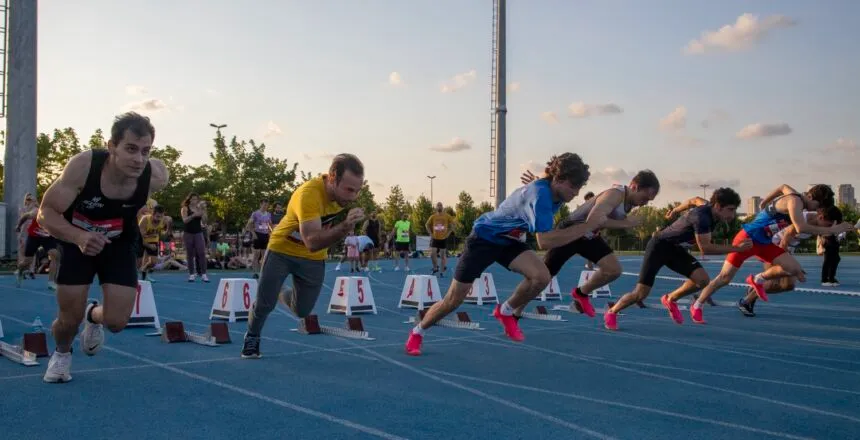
<point x="796" y="289"/>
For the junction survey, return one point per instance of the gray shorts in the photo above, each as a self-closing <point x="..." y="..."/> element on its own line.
<point x="308" y="277"/>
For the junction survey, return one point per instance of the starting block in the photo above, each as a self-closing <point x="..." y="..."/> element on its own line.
<point x="463" y="321"/>
<point x="483" y="291"/>
<point x="233" y="299"/>
<point x="310" y="325"/>
<point x="420" y="292"/>
<point x="603" y="291"/>
<point x="551" y="292"/>
<point x="144" y="313"/>
<point x="541" y="313"/>
<point x="351" y="295"/>
<point x="174" y="331"/>
<point x="18" y="355"/>
<point x="36" y="343"/>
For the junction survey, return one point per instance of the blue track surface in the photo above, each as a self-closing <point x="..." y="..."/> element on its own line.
<point x="791" y="372"/>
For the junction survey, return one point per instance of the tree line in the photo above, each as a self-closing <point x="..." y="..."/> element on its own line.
<point x="240" y="173"/>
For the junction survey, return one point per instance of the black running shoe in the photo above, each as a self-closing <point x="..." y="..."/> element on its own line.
<point x="746" y="309"/>
<point x="251" y="347"/>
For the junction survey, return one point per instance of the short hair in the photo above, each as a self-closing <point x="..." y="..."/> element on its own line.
<point x="831" y="213"/>
<point x="725" y="197"/>
<point x="134" y="122"/>
<point x="158" y="209"/>
<point x="822" y="194"/>
<point x="588" y="195"/>
<point x="646" y="179"/>
<point x="569" y="167"/>
<point x="343" y="163"/>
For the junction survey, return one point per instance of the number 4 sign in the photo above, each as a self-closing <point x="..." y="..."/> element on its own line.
<point x="234" y="298"/>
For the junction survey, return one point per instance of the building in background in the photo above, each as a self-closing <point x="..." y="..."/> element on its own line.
<point x="753" y="205"/>
<point x="845" y="194"/>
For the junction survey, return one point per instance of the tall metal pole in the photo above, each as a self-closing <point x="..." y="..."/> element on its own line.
<point x="431" y="188"/>
<point x="19" y="171"/>
<point x="704" y="190"/>
<point x="501" y="105"/>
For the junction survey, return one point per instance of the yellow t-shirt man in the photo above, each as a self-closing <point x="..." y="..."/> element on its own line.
<point x="150" y="229"/>
<point x="310" y="201"/>
<point x="440" y="225"/>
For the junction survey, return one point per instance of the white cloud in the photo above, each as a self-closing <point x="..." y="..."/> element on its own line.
<point x="745" y="33"/>
<point x="759" y="130"/>
<point x="135" y="90"/>
<point x="609" y="176"/>
<point x="676" y="120"/>
<point x="549" y="117"/>
<point x="583" y="110"/>
<point x="535" y="167"/>
<point x="454" y="146"/>
<point x="459" y="81"/>
<point x="272" y="130"/>
<point x="842" y="145"/>
<point x="394" y="79"/>
<point x="147" y="105"/>
<point x="513" y="87"/>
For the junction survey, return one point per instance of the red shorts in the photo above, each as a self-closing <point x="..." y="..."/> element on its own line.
<point x="764" y="252"/>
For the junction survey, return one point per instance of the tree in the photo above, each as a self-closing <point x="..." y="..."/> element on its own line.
<point x="652" y="220"/>
<point x="421" y="212"/>
<point x="563" y="213"/>
<point x="52" y="155"/>
<point x="485" y="207"/>
<point x="466" y="214"/>
<point x="395" y="207"/>
<point x="180" y="184"/>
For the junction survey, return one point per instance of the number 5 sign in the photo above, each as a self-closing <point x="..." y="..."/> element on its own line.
<point x="351" y="295"/>
<point x="234" y="298"/>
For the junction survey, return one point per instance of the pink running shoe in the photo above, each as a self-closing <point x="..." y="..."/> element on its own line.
<point x="610" y="320"/>
<point x="674" y="312"/>
<point x="413" y="344"/>
<point x="759" y="288"/>
<point x="696" y="315"/>
<point x="512" y="329"/>
<point x="582" y="302"/>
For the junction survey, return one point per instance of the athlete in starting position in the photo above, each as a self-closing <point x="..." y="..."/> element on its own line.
<point x="782" y="208"/>
<point x="788" y="239"/>
<point x="92" y="210"/>
<point x="500" y="236"/>
<point x="670" y="247"/>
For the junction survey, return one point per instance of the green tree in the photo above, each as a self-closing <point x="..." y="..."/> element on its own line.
<point x="97" y="140"/>
<point x="421" y="212"/>
<point x="52" y="155"/>
<point x="180" y="184"/>
<point x="395" y="207"/>
<point x="563" y="213"/>
<point x="466" y="214"/>
<point x="485" y="207"/>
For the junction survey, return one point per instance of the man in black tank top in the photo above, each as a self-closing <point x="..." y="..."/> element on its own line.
<point x="371" y="230"/>
<point x="91" y="209"/>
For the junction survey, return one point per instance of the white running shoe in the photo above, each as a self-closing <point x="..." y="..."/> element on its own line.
<point x="93" y="336"/>
<point x="58" y="368"/>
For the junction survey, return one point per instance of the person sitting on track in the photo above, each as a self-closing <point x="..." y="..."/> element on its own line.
<point x="670" y="248"/>
<point x="789" y="239"/>
<point x="500" y="236"/>
<point x="92" y="210"/>
<point x="782" y="208"/>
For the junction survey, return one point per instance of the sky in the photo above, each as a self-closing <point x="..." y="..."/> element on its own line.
<point x="742" y="94"/>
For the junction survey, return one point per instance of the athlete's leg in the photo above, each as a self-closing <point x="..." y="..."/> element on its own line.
<point x="53" y="267"/>
<point x="653" y="260"/>
<point x="444" y="258"/>
<point x="272" y="276"/>
<point x="308" y="277"/>
<point x="433" y="252"/>
<point x="608" y="270"/>
<point x="535" y="278"/>
<point x="783" y="265"/>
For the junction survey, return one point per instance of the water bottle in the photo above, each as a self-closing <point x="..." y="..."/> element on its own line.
<point x="37" y="325"/>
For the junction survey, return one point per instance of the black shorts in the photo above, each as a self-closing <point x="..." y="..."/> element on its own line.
<point x="261" y="242"/>
<point x="479" y="254"/>
<point x="401" y="246"/>
<point x="592" y="249"/>
<point x="149" y="251"/>
<point x="659" y="253"/>
<point x="374" y="239"/>
<point x="116" y="264"/>
<point x="138" y="246"/>
<point x="439" y="244"/>
<point x="35" y="242"/>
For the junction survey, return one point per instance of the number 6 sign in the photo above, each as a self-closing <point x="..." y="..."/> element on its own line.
<point x="234" y="298"/>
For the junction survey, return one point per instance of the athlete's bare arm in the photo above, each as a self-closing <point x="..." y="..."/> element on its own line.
<point x="794" y="206"/>
<point x="782" y="190"/>
<point x="160" y="176"/>
<point x="60" y="196"/>
<point x="706" y="246"/>
<point x="316" y="238"/>
<point x="597" y="218"/>
<point x="689" y="204"/>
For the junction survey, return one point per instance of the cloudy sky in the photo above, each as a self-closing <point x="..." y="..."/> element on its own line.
<point x="747" y="94"/>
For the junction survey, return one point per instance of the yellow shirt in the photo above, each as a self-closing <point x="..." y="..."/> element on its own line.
<point x="309" y="202"/>
<point x="151" y="231"/>
<point x="440" y="225"/>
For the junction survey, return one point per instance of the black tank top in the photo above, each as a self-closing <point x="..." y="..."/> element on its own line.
<point x="116" y="219"/>
<point x="373" y="228"/>
<point x="194" y="226"/>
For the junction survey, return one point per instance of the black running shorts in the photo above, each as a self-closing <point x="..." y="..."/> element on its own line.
<point x="592" y="249"/>
<point x="661" y="253"/>
<point x="479" y="254"/>
<point x="116" y="264"/>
